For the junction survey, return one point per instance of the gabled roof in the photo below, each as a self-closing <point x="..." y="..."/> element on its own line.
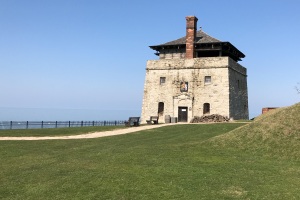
<point x="201" y="37"/>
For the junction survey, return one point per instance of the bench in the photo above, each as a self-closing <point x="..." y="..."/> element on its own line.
<point x="153" y="119"/>
<point x="133" y="121"/>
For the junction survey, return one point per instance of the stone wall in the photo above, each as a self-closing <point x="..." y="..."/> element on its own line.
<point x="223" y="71"/>
<point x="238" y="91"/>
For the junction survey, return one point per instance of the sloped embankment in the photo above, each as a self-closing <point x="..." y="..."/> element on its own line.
<point x="275" y="134"/>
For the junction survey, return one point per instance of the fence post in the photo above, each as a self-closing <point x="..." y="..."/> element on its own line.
<point x="93" y="123"/>
<point x="42" y="124"/>
<point x="104" y="123"/>
<point x="10" y="124"/>
<point x="69" y="124"/>
<point x="115" y="123"/>
<point x="27" y="125"/>
<point x="81" y="123"/>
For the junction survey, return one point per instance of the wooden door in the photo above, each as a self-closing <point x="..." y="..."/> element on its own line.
<point x="182" y="114"/>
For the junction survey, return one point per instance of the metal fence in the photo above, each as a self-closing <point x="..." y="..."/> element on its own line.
<point x="4" y="125"/>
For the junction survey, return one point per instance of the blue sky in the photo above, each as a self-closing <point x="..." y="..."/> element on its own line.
<point x="86" y="59"/>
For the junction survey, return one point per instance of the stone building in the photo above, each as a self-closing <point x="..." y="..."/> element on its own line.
<point x="195" y="75"/>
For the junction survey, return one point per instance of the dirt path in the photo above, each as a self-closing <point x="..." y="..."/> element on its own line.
<point x="89" y="135"/>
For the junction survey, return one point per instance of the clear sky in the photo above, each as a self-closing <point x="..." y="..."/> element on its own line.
<point x="86" y="59"/>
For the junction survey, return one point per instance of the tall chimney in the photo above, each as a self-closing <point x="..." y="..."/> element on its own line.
<point x="191" y="29"/>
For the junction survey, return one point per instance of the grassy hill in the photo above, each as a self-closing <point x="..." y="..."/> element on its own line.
<point x="275" y="134"/>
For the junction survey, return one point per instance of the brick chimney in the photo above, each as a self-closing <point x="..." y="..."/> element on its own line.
<point x="191" y="29"/>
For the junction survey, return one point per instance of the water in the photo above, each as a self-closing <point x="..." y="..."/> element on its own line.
<point x="53" y="118"/>
<point x="56" y="124"/>
<point x="48" y="114"/>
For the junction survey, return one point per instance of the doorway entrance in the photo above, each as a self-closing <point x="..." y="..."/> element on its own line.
<point x="206" y="108"/>
<point x="182" y="114"/>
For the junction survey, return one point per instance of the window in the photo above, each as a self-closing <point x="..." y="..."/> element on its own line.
<point x="184" y="86"/>
<point x="207" y="79"/>
<point x="206" y="108"/>
<point x="162" y="80"/>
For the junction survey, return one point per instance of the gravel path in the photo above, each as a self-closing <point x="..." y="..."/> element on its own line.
<point x="89" y="135"/>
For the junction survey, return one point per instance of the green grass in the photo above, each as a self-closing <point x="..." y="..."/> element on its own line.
<point x="173" y="162"/>
<point x="243" y="120"/>
<point x="275" y="134"/>
<point x="57" y="131"/>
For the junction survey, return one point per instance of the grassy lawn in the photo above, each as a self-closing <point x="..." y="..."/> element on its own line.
<point x="173" y="162"/>
<point x="56" y="131"/>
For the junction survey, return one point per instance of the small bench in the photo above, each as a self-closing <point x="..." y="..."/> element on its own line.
<point x="153" y="119"/>
<point x="133" y="121"/>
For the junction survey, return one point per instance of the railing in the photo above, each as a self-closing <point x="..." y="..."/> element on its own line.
<point x="55" y="124"/>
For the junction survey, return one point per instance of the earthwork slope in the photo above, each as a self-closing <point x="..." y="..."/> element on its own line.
<point x="276" y="133"/>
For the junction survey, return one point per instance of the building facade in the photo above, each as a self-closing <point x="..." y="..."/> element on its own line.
<point x="195" y="75"/>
